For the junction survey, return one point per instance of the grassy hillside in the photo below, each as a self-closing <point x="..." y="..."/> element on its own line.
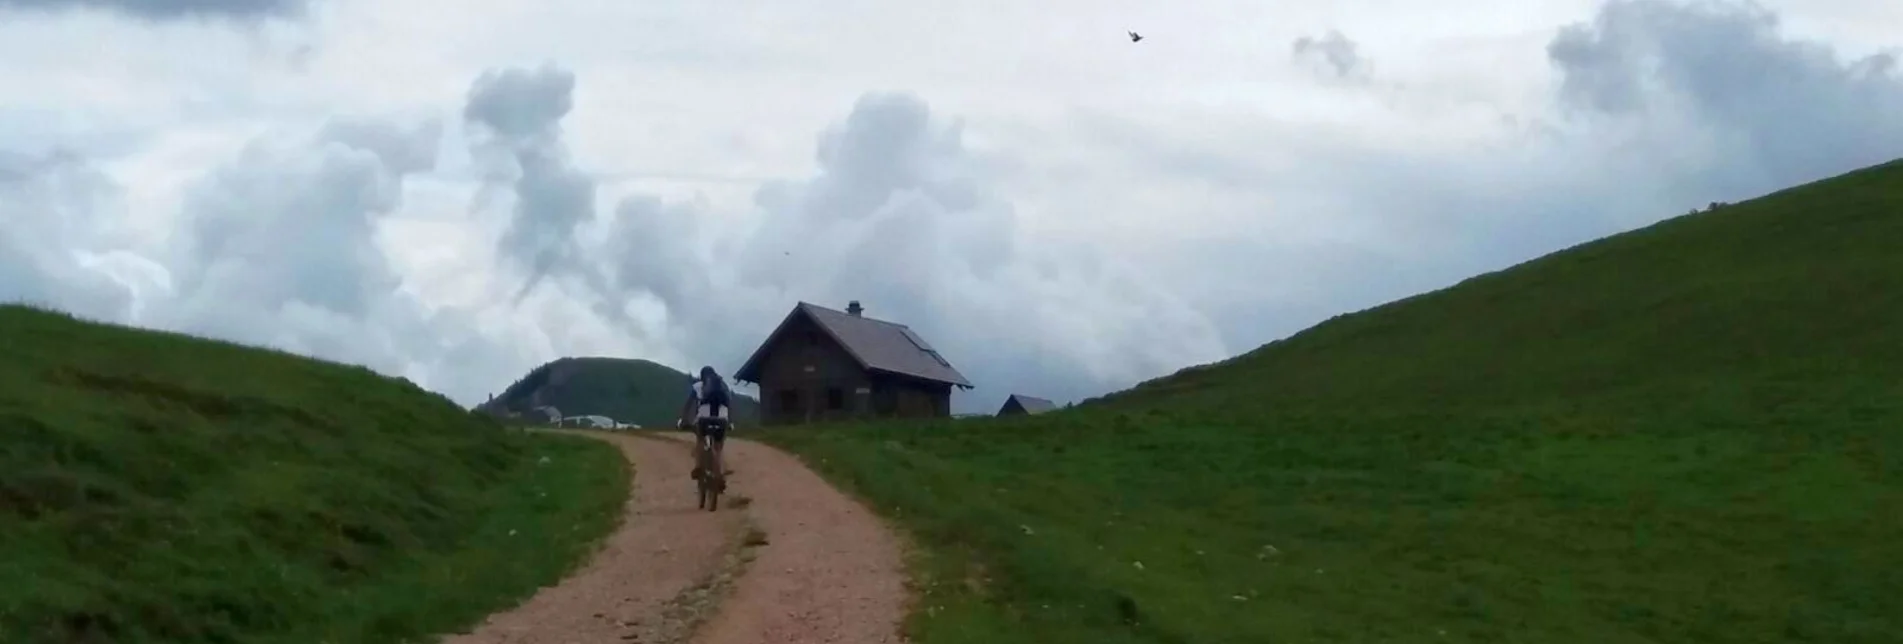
<point x="161" y="488"/>
<point x="1687" y="433"/>
<point x="645" y="393"/>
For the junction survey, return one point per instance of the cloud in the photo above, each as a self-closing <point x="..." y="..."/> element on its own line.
<point x="284" y="243"/>
<point x="278" y="246"/>
<point x="1778" y="110"/>
<point x="57" y="209"/>
<point x="1333" y="50"/>
<point x="519" y="112"/>
<point x="166" y="10"/>
<point x="1658" y="107"/>
<point x="403" y="149"/>
<point x="899" y="217"/>
<point x="522" y="107"/>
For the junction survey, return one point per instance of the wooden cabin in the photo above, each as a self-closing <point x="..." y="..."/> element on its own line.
<point x="821" y="365"/>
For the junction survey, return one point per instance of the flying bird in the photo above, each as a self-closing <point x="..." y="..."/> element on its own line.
<point x="1134" y="37"/>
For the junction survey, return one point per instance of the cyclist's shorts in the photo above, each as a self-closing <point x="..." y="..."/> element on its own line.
<point x="715" y="427"/>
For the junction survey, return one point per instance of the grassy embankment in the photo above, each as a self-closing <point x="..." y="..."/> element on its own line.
<point x="1691" y="432"/>
<point x="156" y="487"/>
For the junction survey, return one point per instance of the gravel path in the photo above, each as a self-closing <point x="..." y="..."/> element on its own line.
<point x="828" y="571"/>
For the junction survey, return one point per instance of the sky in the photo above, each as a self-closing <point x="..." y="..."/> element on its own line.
<point x="457" y="192"/>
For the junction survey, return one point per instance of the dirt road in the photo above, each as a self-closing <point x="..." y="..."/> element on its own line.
<point x="828" y="571"/>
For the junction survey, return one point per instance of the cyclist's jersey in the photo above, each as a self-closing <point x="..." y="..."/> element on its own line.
<point x="705" y="411"/>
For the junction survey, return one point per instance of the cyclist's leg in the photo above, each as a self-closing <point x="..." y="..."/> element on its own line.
<point x="700" y="429"/>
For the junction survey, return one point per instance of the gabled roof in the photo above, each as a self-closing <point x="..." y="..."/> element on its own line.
<point x="877" y="345"/>
<point x="1031" y="404"/>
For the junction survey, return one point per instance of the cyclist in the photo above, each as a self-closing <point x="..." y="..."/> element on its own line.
<point x="710" y="405"/>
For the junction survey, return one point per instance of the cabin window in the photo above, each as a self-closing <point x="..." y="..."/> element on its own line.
<point x="789" y="400"/>
<point x="835" y="399"/>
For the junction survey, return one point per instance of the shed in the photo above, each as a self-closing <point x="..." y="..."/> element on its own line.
<point x="1020" y="404"/>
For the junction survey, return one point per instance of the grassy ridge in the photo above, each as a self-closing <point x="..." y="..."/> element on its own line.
<point x="1797" y="285"/>
<point x="156" y="487"/>
<point x="1687" y="433"/>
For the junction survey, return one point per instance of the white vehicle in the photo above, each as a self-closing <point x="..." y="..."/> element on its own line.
<point x="590" y="422"/>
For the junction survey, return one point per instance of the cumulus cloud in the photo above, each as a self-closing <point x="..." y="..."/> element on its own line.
<point x="1789" y="110"/>
<point x="898" y="218"/>
<point x="58" y="208"/>
<point x="1333" y="51"/>
<point x="286" y="222"/>
<point x="517" y="115"/>
<point x="1750" y="109"/>
<point x="275" y="247"/>
<point x="278" y="246"/>
<point x="283" y="245"/>
<point x="402" y="149"/>
<point x="163" y="10"/>
<point x="1661" y="106"/>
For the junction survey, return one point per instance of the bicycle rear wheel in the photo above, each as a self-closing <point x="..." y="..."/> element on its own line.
<point x="712" y="480"/>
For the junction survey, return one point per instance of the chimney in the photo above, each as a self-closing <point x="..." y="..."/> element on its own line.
<point x="854" y="308"/>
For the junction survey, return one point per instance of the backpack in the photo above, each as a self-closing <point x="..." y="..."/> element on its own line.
<point x="716" y="397"/>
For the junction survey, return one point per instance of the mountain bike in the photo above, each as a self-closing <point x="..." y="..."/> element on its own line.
<point x="712" y="480"/>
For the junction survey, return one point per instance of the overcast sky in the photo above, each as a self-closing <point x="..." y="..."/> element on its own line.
<point x="456" y="192"/>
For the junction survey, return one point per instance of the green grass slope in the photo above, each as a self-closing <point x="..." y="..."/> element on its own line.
<point x="1687" y="433"/>
<point x="642" y="392"/>
<point x="161" y="488"/>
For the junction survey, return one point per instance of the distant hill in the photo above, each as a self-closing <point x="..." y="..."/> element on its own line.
<point x="1691" y="432"/>
<point x="642" y="392"/>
